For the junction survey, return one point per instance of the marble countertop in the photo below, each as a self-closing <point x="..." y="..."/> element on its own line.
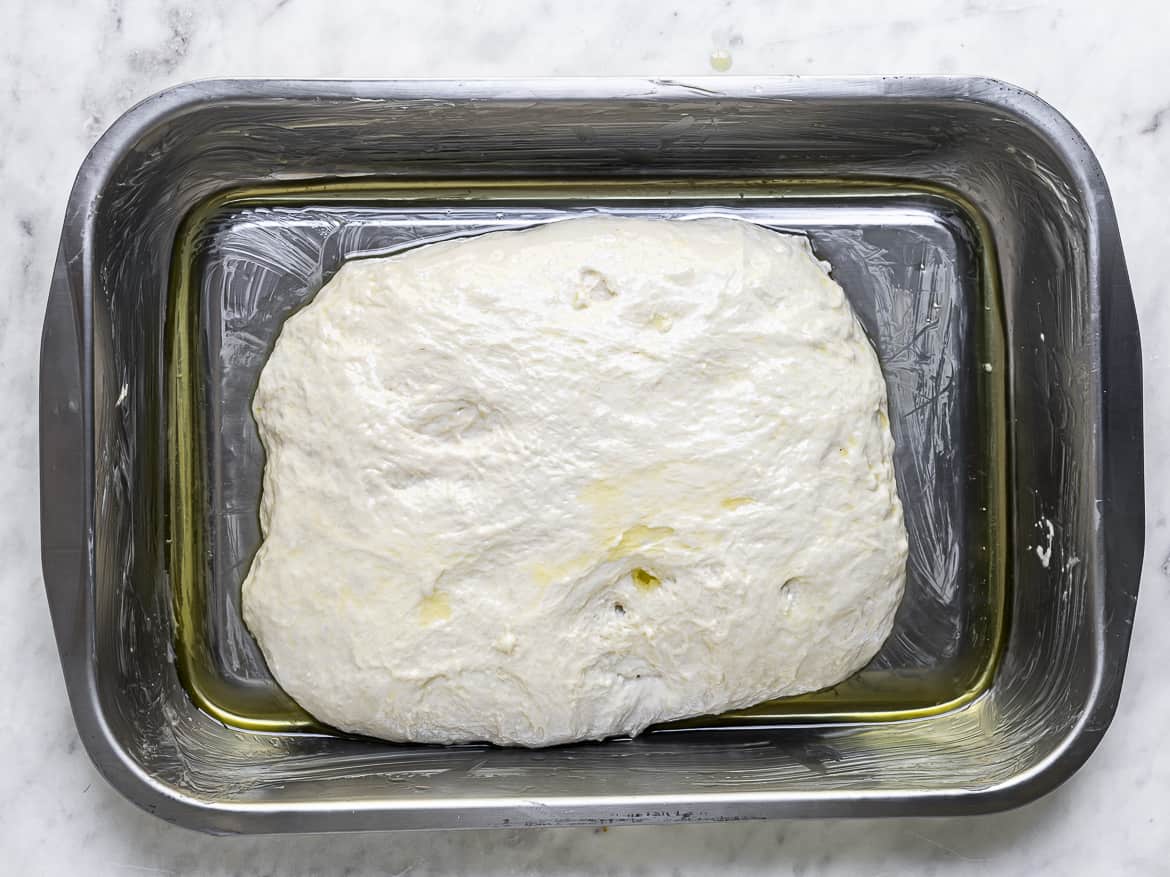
<point x="69" y="70"/>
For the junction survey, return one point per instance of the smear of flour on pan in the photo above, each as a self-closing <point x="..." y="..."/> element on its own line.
<point x="1042" y="551"/>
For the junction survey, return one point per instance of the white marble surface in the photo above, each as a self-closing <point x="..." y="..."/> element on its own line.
<point x="69" y="69"/>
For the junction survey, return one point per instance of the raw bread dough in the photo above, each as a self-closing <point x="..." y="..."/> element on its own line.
<point x="558" y="484"/>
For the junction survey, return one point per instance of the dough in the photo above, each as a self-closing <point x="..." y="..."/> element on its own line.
<point x="559" y="484"/>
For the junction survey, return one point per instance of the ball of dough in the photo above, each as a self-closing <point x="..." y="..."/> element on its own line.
<point x="559" y="484"/>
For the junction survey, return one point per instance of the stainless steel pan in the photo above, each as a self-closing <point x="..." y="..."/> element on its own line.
<point x="968" y="222"/>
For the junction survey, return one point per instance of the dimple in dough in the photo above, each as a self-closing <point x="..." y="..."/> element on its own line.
<point x="559" y="484"/>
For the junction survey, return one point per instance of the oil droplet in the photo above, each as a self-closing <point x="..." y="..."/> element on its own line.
<point x="638" y="536"/>
<point x="734" y="502"/>
<point x="645" y="581"/>
<point x="434" y="608"/>
<point x="662" y="322"/>
<point x="721" y="60"/>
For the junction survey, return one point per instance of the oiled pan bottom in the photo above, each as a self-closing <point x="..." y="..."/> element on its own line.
<point x="915" y="262"/>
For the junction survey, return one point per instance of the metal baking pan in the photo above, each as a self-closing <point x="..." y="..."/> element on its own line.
<point x="967" y="221"/>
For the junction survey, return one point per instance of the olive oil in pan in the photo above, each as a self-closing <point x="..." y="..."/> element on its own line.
<point x="218" y="663"/>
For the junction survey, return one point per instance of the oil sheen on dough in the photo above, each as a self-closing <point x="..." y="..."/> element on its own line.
<point x="559" y="484"/>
